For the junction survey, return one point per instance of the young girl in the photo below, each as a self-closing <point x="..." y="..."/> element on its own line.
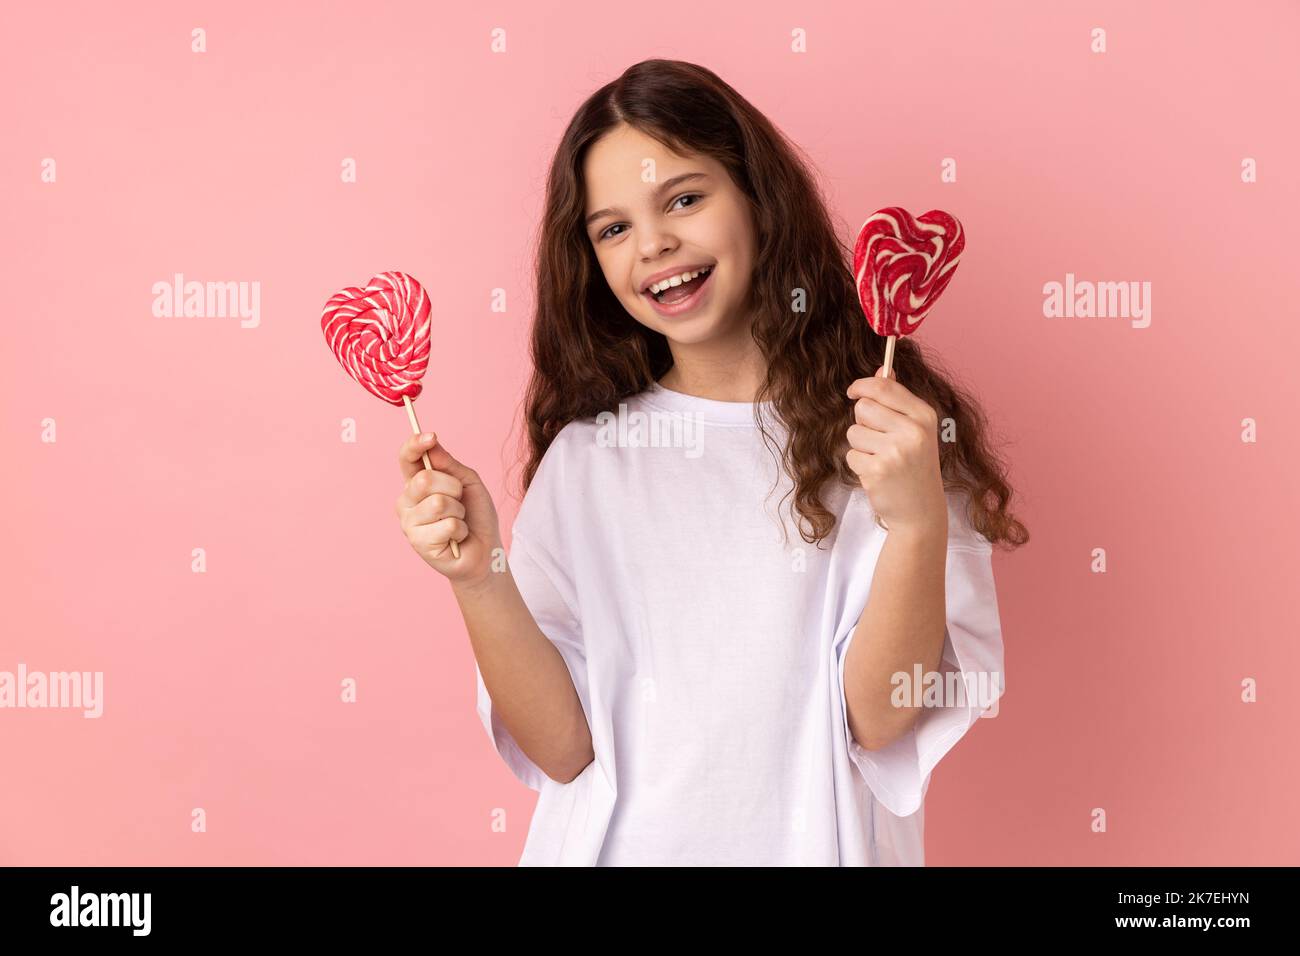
<point x="669" y="656"/>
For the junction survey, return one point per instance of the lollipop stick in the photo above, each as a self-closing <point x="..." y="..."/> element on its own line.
<point x="889" y="361"/>
<point x="415" y="427"/>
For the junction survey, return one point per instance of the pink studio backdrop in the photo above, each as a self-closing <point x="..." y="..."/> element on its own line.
<point x="222" y="688"/>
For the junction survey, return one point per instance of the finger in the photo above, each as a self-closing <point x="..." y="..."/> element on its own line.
<point x="411" y="455"/>
<point x="890" y="393"/>
<point x="434" y="538"/>
<point x="425" y="483"/>
<point x="866" y="440"/>
<point x="858" y="388"/>
<point x="861" y="464"/>
<point x="435" y="508"/>
<point x="871" y="413"/>
<point x="443" y="461"/>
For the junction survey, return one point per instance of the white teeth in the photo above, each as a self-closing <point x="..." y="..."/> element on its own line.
<point x="662" y="284"/>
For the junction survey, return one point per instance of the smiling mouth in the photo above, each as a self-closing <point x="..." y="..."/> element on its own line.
<point x="691" y="287"/>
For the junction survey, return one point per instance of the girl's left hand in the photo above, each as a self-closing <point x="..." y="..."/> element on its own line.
<point x="894" y="451"/>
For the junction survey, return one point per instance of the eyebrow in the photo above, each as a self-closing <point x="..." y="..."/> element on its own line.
<point x="666" y="185"/>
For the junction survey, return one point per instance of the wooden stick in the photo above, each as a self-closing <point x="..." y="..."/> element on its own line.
<point x="415" y="427"/>
<point x="889" y="362"/>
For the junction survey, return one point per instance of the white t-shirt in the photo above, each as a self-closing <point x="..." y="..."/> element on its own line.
<point x="708" y="652"/>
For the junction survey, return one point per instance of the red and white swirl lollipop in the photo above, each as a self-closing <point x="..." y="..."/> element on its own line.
<point x="380" y="335"/>
<point x="902" y="265"/>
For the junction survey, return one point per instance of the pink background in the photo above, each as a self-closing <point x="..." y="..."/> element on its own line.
<point x="222" y="689"/>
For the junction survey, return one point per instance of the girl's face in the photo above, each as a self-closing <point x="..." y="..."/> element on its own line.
<point x="688" y="215"/>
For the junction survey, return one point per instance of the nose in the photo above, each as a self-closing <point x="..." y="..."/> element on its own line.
<point x="656" y="244"/>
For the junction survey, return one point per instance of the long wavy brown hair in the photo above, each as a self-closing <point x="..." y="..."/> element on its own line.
<point x="589" y="353"/>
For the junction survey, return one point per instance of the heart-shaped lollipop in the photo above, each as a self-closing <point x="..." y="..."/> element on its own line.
<point x="380" y="335"/>
<point x="902" y="265"/>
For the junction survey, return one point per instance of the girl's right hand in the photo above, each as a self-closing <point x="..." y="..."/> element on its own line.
<point x="445" y="504"/>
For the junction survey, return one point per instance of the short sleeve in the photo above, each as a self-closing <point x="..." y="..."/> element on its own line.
<point x="540" y="583"/>
<point x="972" y="665"/>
